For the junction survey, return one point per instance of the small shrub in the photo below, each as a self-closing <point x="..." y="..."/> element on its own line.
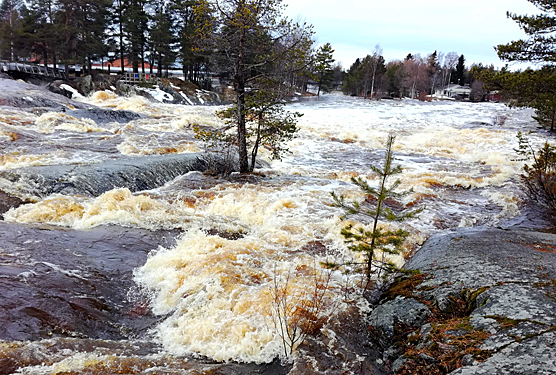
<point x="539" y="178"/>
<point x="297" y="314"/>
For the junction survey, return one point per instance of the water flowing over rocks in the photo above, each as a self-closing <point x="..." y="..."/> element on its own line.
<point x="103" y="116"/>
<point x="68" y="298"/>
<point x="502" y="282"/>
<point x="134" y="173"/>
<point x="68" y="292"/>
<point x="8" y="201"/>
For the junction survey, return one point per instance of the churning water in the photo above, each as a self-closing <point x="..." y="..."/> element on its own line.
<point x="209" y="291"/>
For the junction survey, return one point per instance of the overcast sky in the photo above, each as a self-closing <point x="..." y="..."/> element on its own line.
<point x="468" y="27"/>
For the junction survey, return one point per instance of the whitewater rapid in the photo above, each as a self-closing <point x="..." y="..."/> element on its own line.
<point x="213" y="290"/>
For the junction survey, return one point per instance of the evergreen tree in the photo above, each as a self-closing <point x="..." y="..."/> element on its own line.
<point x="134" y="24"/>
<point x="377" y="242"/>
<point x="116" y="30"/>
<point x="352" y="82"/>
<point x="162" y="38"/>
<point x="189" y="18"/>
<point x="83" y="24"/>
<point x="533" y="88"/>
<point x="10" y="28"/>
<point x="40" y="31"/>
<point x="249" y="44"/>
<point x="529" y="88"/>
<point x="396" y="74"/>
<point x="324" y="74"/>
<point x="541" y="43"/>
<point x="459" y="77"/>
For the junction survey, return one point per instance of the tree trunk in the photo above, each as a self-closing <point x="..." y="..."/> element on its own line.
<point x="120" y="10"/>
<point x="240" y="82"/>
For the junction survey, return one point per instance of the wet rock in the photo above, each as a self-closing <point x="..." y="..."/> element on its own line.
<point x="103" y="116"/>
<point x="67" y="294"/>
<point x="177" y="98"/>
<point x="59" y="282"/>
<point x="8" y="201"/>
<point x="85" y="85"/>
<point x="406" y="311"/>
<point x="56" y="88"/>
<point x="5" y="76"/>
<point x="134" y="173"/>
<point x="124" y="89"/>
<point x="343" y="349"/>
<point x="24" y="95"/>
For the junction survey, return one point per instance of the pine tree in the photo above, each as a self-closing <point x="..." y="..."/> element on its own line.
<point x="40" y="31"/>
<point x="541" y="43"/>
<point x="251" y="41"/>
<point x="377" y="206"/>
<point x="460" y="71"/>
<point x="134" y="23"/>
<point x="529" y="88"/>
<point x="10" y="25"/>
<point x="324" y="74"/>
<point x="532" y="88"/>
<point x="83" y="24"/>
<point x="162" y="38"/>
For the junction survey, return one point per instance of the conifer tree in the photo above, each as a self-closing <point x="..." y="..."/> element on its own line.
<point x="10" y="25"/>
<point x="324" y="74"/>
<point x="40" y="31"/>
<point x="532" y="88"/>
<point x="134" y="22"/>
<point x="541" y="43"/>
<point x="83" y="24"/>
<point x="250" y="42"/>
<point x="377" y="206"/>
<point x="460" y="71"/>
<point x="162" y="38"/>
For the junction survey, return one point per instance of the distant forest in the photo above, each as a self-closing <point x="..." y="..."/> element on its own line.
<point x="178" y="34"/>
<point x="414" y="77"/>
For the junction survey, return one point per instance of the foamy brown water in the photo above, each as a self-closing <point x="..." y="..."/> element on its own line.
<point x="213" y="289"/>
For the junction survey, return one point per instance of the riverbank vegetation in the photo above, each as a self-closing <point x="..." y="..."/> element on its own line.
<point x="533" y="88"/>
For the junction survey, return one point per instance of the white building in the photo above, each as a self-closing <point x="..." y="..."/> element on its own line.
<point x="452" y="92"/>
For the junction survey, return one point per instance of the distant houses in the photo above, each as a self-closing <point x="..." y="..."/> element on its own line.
<point x="465" y="92"/>
<point x="116" y="65"/>
<point x="453" y="92"/>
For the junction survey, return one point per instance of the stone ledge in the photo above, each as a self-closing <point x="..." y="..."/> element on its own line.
<point x="499" y="287"/>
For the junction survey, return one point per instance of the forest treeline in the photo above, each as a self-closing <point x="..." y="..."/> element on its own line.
<point x="415" y="77"/>
<point x="177" y="34"/>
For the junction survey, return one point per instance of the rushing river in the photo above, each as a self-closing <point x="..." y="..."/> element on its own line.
<point x="218" y="245"/>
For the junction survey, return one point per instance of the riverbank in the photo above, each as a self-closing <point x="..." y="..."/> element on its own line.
<point x="480" y="302"/>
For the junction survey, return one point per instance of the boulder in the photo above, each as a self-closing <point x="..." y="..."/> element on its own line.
<point x="8" y="201"/>
<point x="401" y="310"/>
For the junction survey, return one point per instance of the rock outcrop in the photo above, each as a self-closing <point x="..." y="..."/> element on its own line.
<point x="35" y="98"/>
<point x="480" y="302"/>
<point x="134" y="173"/>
